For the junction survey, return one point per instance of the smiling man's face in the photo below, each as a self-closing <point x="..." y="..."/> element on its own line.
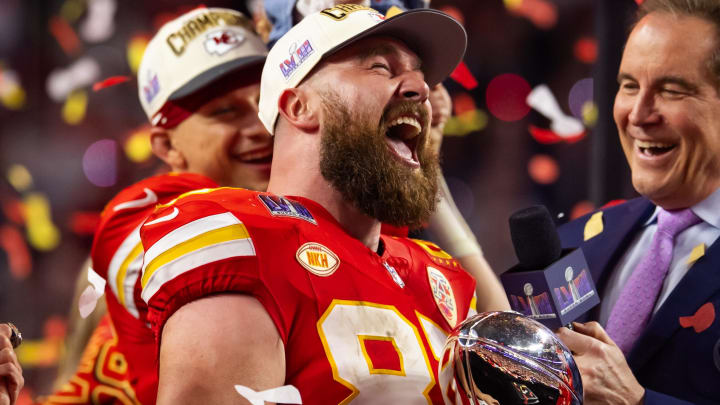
<point x="667" y="109"/>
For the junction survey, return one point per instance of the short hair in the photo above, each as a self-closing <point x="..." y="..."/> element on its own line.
<point x="708" y="10"/>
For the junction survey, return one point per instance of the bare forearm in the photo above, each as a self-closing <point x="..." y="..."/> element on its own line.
<point x="490" y="293"/>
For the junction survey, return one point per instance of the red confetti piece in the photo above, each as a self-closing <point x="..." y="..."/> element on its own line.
<point x="506" y="97"/>
<point x="462" y="103"/>
<point x="65" y="35"/>
<point x="613" y="203"/>
<point x="84" y="223"/>
<point x="585" y="50"/>
<point x="110" y="81"/>
<point x="20" y="261"/>
<point x="14" y="210"/>
<point x="543" y="169"/>
<point x="582" y="208"/>
<point x="454" y="12"/>
<point x="701" y="320"/>
<point x="548" y="137"/>
<point x="464" y="76"/>
<point x="55" y="327"/>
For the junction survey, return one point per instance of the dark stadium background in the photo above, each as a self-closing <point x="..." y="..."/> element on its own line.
<point x="60" y="161"/>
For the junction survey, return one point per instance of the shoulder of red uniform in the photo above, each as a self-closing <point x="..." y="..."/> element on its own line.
<point x="429" y="252"/>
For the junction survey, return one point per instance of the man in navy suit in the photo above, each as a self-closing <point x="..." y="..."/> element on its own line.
<point x="657" y="339"/>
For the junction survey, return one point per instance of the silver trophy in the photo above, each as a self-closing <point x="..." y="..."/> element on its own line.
<point x="505" y="358"/>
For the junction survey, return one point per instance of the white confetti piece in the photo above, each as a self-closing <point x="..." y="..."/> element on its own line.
<point x="543" y="101"/>
<point x="62" y="82"/>
<point x="287" y="394"/>
<point x="88" y="299"/>
<point x="99" y="25"/>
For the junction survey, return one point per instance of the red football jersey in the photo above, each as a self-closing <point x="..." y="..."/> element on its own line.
<point x="356" y="326"/>
<point x="101" y="376"/>
<point x="117" y="257"/>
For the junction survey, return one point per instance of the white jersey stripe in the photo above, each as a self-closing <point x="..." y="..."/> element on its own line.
<point x="187" y="232"/>
<point x="194" y="259"/>
<point x="122" y="252"/>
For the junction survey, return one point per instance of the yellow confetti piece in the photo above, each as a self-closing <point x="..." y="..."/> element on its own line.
<point x="42" y="234"/>
<point x="465" y="123"/>
<point x="594" y="226"/>
<point x="393" y="11"/>
<point x="73" y="111"/>
<point x="135" y="50"/>
<point x="590" y="114"/>
<point x="19" y="177"/>
<point x="137" y="147"/>
<point x="697" y="252"/>
<point x="14" y="98"/>
<point x="39" y="353"/>
<point x="71" y="10"/>
<point x="512" y="4"/>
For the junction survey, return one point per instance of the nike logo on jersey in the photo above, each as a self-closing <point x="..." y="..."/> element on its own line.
<point x="150" y="198"/>
<point x="164" y="218"/>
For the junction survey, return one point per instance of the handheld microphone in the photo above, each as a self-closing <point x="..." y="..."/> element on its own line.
<point x="550" y="285"/>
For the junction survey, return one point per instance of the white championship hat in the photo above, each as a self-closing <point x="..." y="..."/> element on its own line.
<point x="192" y="51"/>
<point x="434" y="36"/>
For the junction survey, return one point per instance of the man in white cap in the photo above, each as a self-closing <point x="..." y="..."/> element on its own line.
<point x="198" y="83"/>
<point x="252" y="291"/>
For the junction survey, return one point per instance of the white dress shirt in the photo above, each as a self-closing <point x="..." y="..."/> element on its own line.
<point x="707" y="231"/>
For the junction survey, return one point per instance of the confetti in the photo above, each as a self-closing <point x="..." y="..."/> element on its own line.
<point x="464" y="76"/>
<point x="65" y="35"/>
<point x="543" y="169"/>
<point x="286" y="394"/>
<point x="110" y="81"/>
<point x="19" y="177"/>
<point x="75" y="107"/>
<point x="84" y="223"/>
<point x="99" y="25"/>
<point x="19" y="259"/>
<point x="135" y="51"/>
<point x="585" y="50"/>
<point x="542" y="13"/>
<point x="89" y="297"/>
<point x="505" y="97"/>
<point x="542" y="100"/>
<point x="137" y="146"/>
<point x="12" y="95"/>
<point x="61" y="82"/>
<point x="42" y="234"/>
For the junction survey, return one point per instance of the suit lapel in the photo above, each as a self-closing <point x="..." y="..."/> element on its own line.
<point x="703" y="279"/>
<point x="620" y="224"/>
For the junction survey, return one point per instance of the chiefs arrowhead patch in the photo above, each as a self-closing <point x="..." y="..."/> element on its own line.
<point x="443" y="294"/>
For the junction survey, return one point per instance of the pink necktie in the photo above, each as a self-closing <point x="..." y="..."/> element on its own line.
<point x="636" y="302"/>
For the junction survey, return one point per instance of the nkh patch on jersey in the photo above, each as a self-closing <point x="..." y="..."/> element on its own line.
<point x="283" y="207"/>
<point x="317" y="259"/>
<point x="443" y="294"/>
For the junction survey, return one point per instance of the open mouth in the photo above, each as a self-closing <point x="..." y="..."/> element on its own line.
<point x="653" y="149"/>
<point x="259" y="156"/>
<point x="402" y="137"/>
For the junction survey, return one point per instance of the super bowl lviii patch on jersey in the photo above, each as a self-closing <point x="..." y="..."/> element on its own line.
<point x="443" y="294"/>
<point x="283" y="207"/>
<point x="317" y="259"/>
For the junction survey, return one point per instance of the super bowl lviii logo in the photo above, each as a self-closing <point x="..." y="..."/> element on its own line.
<point x="298" y="55"/>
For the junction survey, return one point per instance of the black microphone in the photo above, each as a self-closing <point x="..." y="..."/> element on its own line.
<point x="548" y="284"/>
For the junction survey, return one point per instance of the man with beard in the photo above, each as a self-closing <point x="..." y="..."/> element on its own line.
<point x="296" y="286"/>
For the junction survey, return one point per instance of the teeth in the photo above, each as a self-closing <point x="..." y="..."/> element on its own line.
<point x="646" y="144"/>
<point x="409" y="121"/>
